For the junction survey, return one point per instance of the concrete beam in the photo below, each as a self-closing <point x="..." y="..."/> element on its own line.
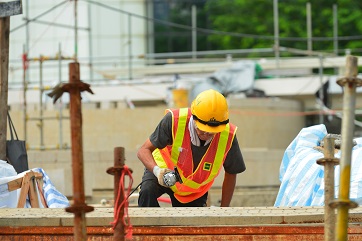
<point x="193" y="217"/>
<point x="265" y="63"/>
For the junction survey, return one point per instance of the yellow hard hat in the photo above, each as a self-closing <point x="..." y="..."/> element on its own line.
<point x="210" y="111"/>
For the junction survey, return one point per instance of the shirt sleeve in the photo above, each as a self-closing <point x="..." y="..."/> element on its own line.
<point x="234" y="162"/>
<point x="162" y="136"/>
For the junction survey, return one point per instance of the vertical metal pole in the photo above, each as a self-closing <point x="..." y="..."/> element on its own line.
<point x="25" y="89"/>
<point x="335" y="33"/>
<point x="330" y="218"/>
<point x="4" y="65"/>
<point x="150" y="28"/>
<point x="119" y="161"/>
<point x="27" y="27"/>
<point x="130" y="46"/>
<point x="328" y="162"/>
<point x="77" y="152"/>
<point x="27" y="33"/>
<point x="41" y="90"/>
<point x="321" y="89"/>
<point x="60" y="101"/>
<point x="90" y="42"/>
<point x="79" y="207"/>
<point x="276" y="34"/>
<point x="26" y="71"/>
<point x="335" y="29"/>
<point x="194" y="32"/>
<point x="309" y="27"/>
<point x="349" y="101"/>
<point x="76" y="30"/>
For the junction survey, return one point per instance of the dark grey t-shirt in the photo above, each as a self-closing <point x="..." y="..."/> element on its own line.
<point x="162" y="136"/>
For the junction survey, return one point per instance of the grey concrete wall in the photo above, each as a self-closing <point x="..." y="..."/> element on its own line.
<point x="265" y="128"/>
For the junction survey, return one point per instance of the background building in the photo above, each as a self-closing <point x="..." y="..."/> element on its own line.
<point x="133" y="68"/>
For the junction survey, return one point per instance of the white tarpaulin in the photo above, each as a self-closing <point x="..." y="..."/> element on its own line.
<point x="9" y="199"/>
<point x="302" y="179"/>
<point x="235" y="79"/>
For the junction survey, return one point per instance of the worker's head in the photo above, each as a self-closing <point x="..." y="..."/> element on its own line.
<point x="210" y="111"/>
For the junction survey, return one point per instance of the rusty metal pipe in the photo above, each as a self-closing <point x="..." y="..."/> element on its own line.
<point x="76" y="138"/>
<point x="349" y="84"/>
<point x="116" y="170"/>
<point x="330" y="218"/>
<point x="328" y="162"/>
<point x="79" y="208"/>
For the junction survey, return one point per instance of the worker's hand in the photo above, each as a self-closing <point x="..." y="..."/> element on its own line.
<point x="159" y="172"/>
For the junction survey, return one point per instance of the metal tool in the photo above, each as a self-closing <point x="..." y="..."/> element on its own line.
<point x="170" y="178"/>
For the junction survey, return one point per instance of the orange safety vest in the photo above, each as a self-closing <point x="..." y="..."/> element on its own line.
<point x="195" y="183"/>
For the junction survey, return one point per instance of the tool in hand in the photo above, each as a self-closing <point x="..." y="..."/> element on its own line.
<point x="170" y="178"/>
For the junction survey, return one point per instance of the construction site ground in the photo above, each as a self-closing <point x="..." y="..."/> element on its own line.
<point x="167" y="223"/>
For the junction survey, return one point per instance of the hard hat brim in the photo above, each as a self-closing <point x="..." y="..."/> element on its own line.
<point x="210" y="129"/>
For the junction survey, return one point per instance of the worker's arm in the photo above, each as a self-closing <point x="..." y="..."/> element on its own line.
<point x="228" y="187"/>
<point x="145" y="155"/>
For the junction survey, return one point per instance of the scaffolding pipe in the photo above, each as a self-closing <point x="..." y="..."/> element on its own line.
<point x="41" y="122"/>
<point x="79" y="207"/>
<point x="42" y="88"/>
<point x="116" y="171"/>
<point x="90" y="43"/>
<point x="335" y="33"/>
<point x="276" y="33"/>
<point x="60" y="104"/>
<point x="321" y="89"/>
<point x="309" y="27"/>
<point x="194" y="32"/>
<point x="335" y="29"/>
<point x="25" y="88"/>
<point x="75" y="31"/>
<point x="349" y="84"/>
<point x="329" y="162"/>
<point x="130" y="46"/>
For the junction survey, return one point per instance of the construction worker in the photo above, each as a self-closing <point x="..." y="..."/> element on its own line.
<point x="198" y="141"/>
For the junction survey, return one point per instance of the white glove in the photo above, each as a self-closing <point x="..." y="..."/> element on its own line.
<point x="159" y="172"/>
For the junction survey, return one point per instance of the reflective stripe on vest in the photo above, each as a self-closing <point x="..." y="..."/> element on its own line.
<point x="195" y="183"/>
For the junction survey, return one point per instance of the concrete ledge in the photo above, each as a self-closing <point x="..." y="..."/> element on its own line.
<point x="213" y="216"/>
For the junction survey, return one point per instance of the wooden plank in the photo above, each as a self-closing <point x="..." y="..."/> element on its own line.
<point x="24" y="191"/>
<point x="29" y="188"/>
<point x="15" y="184"/>
<point x="33" y="196"/>
<point x="41" y="193"/>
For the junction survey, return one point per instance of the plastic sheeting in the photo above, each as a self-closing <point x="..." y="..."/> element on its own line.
<point x="302" y="179"/>
<point x="239" y="77"/>
<point x="7" y="172"/>
<point x="53" y="197"/>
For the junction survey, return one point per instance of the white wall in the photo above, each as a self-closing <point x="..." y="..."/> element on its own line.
<point x="109" y="35"/>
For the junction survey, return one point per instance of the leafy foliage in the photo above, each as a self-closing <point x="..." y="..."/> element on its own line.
<point x="245" y="24"/>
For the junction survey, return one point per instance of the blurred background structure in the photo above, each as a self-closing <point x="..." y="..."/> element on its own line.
<point x="276" y="62"/>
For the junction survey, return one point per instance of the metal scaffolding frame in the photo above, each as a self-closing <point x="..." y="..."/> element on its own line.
<point x="150" y="59"/>
<point x="42" y="89"/>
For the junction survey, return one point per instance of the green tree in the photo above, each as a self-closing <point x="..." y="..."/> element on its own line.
<point x="256" y="18"/>
<point x="177" y="35"/>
